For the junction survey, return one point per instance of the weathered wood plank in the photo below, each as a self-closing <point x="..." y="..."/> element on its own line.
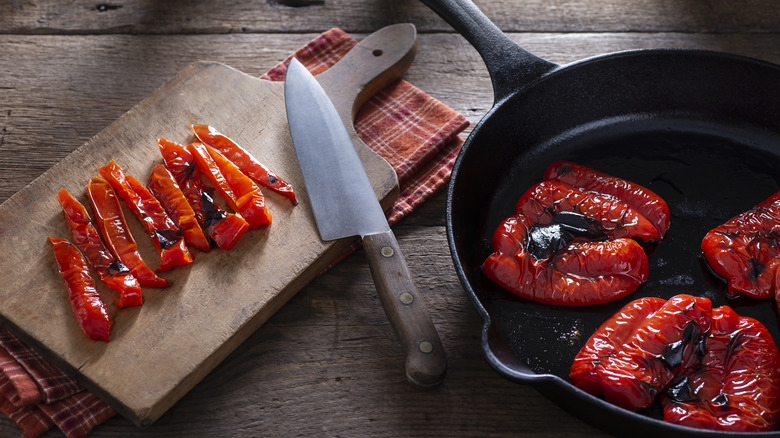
<point x="48" y="108"/>
<point x="295" y="16"/>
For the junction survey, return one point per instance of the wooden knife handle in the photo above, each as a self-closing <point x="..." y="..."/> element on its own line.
<point x="426" y="362"/>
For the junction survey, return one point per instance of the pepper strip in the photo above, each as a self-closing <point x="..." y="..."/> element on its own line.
<point x="111" y="271"/>
<point x="223" y="227"/>
<point x="238" y="190"/>
<point x="248" y="164"/>
<point x="163" y="186"/>
<point x="90" y="312"/>
<point x="166" y="236"/>
<point x="113" y="227"/>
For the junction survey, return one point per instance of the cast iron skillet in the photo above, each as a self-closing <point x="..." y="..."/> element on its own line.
<point x="701" y="129"/>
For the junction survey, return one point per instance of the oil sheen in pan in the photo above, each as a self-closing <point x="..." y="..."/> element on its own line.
<point x="707" y="174"/>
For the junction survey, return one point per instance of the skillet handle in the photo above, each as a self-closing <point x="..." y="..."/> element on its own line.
<point x="510" y="66"/>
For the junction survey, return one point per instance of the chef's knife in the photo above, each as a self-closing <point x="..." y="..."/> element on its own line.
<point x="345" y="205"/>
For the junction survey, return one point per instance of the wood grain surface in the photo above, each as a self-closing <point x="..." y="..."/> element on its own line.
<point x="327" y="363"/>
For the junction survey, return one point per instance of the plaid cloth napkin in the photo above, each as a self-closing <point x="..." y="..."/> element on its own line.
<point x="414" y="132"/>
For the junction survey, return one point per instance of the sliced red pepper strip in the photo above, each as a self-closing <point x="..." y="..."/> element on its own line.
<point x="112" y="225"/>
<point x="166" y="236"/>
<point x="712" y="368"/>
<point x="643" y="200"/>
<point x="746" y="250"/>
<point x="164" y="187"/>
<point x="111" y="271"/>
<point x="223" y="227"/>
<point x="248" y="164"/>
<point x="238" y="190"/>
<point x="89" y="310"/>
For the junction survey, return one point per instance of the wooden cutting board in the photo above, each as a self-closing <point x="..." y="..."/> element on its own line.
<point x="160" y="350"/>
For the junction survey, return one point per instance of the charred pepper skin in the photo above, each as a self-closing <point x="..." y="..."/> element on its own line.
<point x="711" y="368"/>
<point x="112" y="225"/>
<point x="746" y="250"/>
<point x="584" y="273"/>
<point x="224" y="228"/>
<point x="89" y="310"/>
<point x="248" y="164"/>
<point x="578" y="271"/>
<point x="166" y="236"/>
<point x="571" y="239"/>
<point x="164" y="187"/>
<point x="110" y="270"/>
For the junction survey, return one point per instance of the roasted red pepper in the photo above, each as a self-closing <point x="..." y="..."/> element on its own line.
<point x="711" y="367"/>
<point x="567" y="245"/>
<point x="582" y="273"/>
<point x="164" y="187"/>
<point x="166" y="236"/>
<point x="88" y="308"/>
<point x="224" y="228"/>
<point x="544" y="200"/>
<point x="112" y="225"/>
<point x="646" y="202"/>
<point x="238" y="190"/>
<point x="111" y="271"/>
<point x="248" y="164"/>
<point x="746" y="250"/>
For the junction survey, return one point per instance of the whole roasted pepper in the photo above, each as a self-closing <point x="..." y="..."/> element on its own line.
<point x="112" y="225"/>
<point x="89" y="310"/>
<point x="111" y="271"/>
<point x="571" y="239"/>
<point x="711" y="368"/>
<point x="167" y="237"/>
<point x="224" y="228"/>
<point x="248" y="164"/>
<point x="746" y="250"/>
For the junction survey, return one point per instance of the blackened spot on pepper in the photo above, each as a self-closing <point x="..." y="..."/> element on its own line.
<point x="674" y="353"/>
<point x="581" y="225"/>
<point x="679" y="390"/>
<point x="720" y="400"/>
<point x="168" y="238"/>
<point x="117" y="267"/>
<point x="756" y="269"/>
<point x="213" y="214"/>
<point x="547" y="240"/>
<point x="190" y="172"/>
<point x="544" y="241"/>
<point x="272" y="179"/>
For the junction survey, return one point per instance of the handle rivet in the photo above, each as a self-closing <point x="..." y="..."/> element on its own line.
<point x="426" y="346"/>
<point x="406" y="298"/>
<point x="387" y="251"/>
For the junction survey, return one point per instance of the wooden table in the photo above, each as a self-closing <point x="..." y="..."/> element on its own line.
<point x="328" y="363"/>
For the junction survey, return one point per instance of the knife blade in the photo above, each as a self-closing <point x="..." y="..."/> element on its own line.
<point x="344" y="205"/>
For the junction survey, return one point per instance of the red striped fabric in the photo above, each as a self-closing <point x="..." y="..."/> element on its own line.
<point x="415" y="133"/>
